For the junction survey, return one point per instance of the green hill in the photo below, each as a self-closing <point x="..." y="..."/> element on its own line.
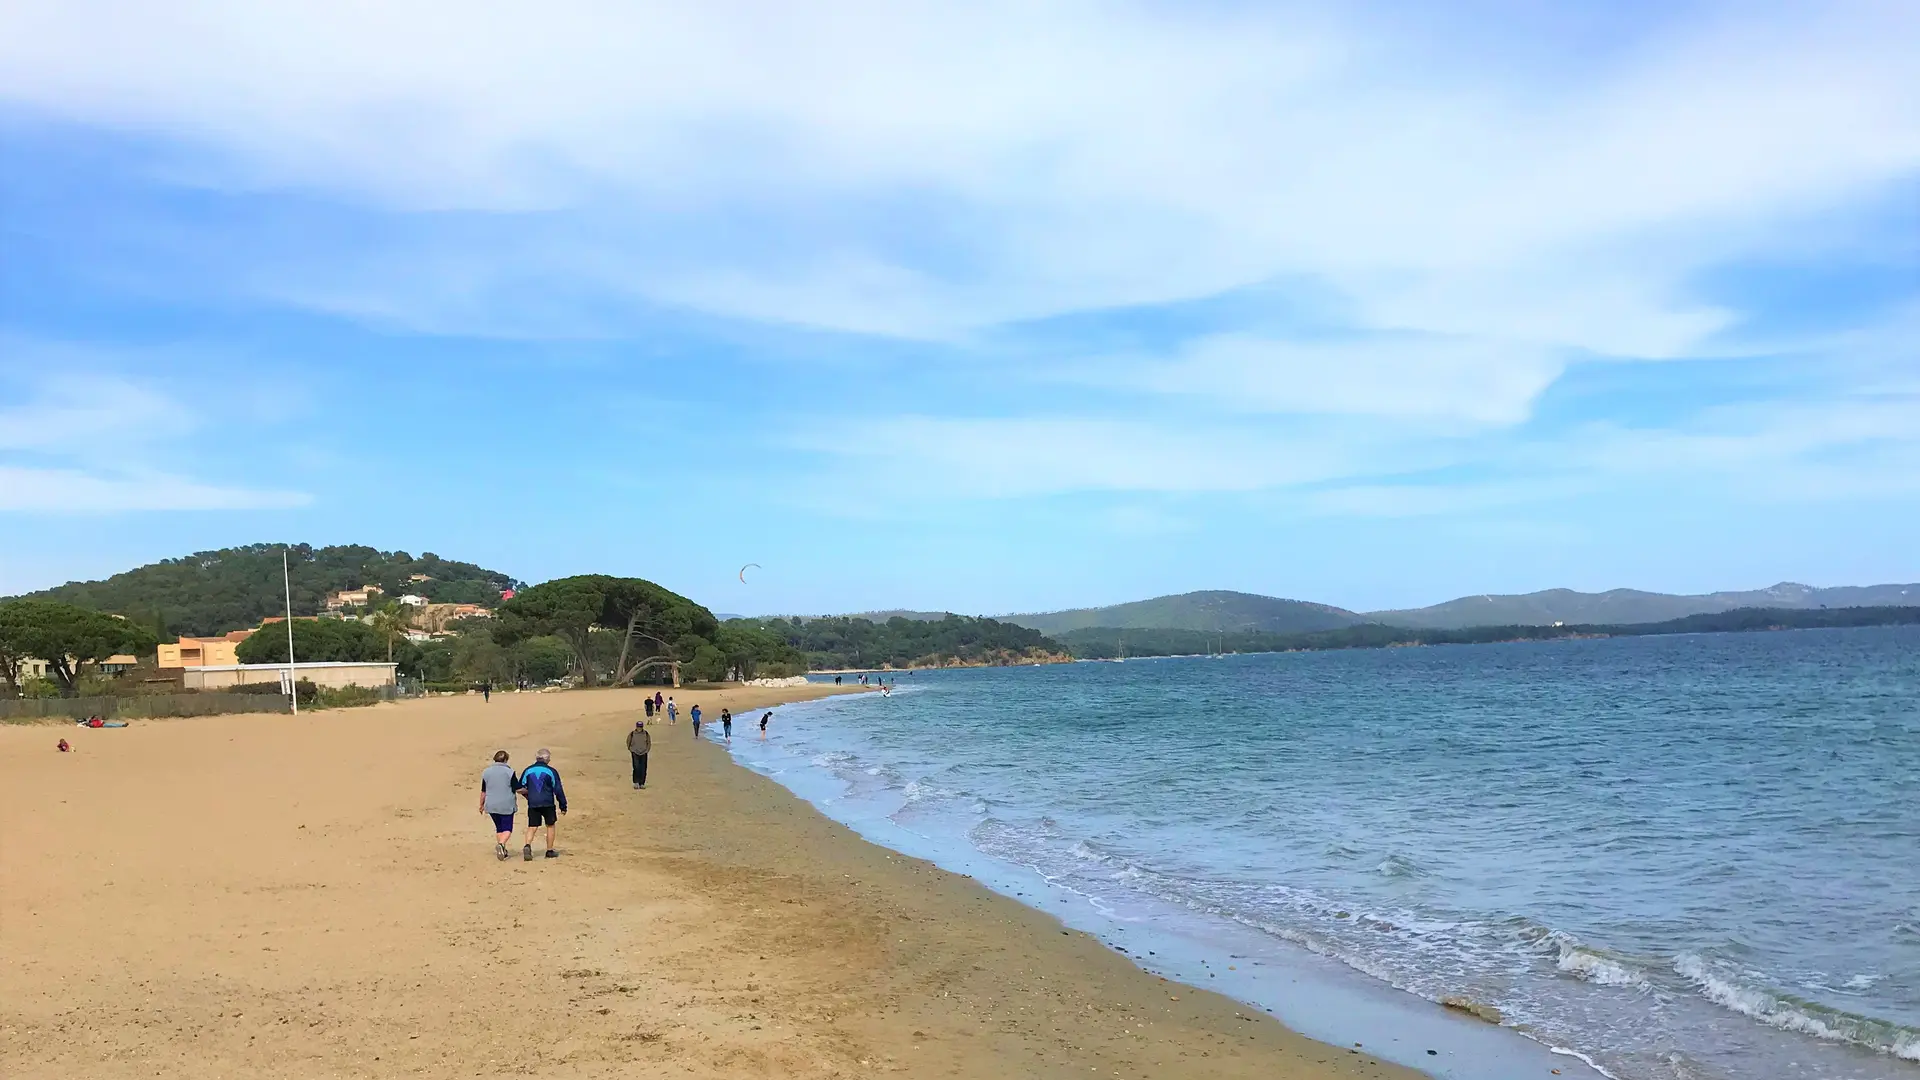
<point x="211" y="592"/>
<point x="1632" y="606"/>
<point x="1217" y="611"/>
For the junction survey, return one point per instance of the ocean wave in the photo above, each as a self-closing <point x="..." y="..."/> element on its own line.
<point x="1596" y="966"/>
<point x="1399" y="866"/>
<point x="1782" y="1010"/>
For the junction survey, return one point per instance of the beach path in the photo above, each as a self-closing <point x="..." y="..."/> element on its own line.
<point x="243" y="896"/>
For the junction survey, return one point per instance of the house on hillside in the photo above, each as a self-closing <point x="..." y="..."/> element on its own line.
<point x="198" y="652"/>
<point x="435" y="617"/>
<point x="414" y="600"/>
<point x="346" y="598"/>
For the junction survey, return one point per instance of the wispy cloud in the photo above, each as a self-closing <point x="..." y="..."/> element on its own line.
<point x="54" y="490"/>
<point x="920" y="169"/>
<point x="91" y="441"/>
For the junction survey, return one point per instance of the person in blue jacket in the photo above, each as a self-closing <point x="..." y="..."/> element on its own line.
<point x="540" y="784"/>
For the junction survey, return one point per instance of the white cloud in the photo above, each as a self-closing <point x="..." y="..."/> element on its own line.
<point x="53" y="490"/>
<point x="924" y="456"/>
<point x="922" y="168"/>
<point x="88" y="441"/>
<point x="1469" y="381"/>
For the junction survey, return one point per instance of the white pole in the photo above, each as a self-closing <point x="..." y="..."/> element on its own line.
<point x="293" y="677"/>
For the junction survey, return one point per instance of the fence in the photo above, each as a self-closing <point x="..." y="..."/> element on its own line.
<point x="156" y="705"/>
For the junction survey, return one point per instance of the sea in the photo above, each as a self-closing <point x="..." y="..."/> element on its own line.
<point x="1691" y="857"/>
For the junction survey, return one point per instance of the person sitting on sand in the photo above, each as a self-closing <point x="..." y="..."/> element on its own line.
<point x="541" y="785"/>
<point x="639" y="742"/>
<point x="499" y="799"/>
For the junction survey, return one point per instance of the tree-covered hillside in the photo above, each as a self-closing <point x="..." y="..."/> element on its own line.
<point x="1633" y="606"/>
<point x="211" y="592"/>
<point x="1215" y="611"/>
<point x="1104" y="642"/>
<point x="847" y="642"/>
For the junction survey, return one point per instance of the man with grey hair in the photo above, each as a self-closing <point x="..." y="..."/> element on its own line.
<point x="541" y="786"/>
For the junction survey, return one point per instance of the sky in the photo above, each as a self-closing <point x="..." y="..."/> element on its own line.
<point x="981" y="307"/>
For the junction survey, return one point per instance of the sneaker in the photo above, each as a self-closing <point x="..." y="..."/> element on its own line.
<point x="636" y="787"/>
<point x="552" y="854"/>
<point x="500" y="850"/>
<point x="527" y="853"/>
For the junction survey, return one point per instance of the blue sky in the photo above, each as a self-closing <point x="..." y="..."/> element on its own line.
<point x="983" y="307"/>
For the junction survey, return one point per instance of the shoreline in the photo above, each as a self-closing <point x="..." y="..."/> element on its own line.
<point x="314" y="897"/>
<point x="1310" y="994"/>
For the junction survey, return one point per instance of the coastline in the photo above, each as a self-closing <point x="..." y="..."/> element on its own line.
<point x="314" y="897"/>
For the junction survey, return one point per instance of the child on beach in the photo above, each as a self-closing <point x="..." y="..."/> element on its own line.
<point x="764" y="717"/>
<point x="726" y="725"/>
<point x="673" y="712"/>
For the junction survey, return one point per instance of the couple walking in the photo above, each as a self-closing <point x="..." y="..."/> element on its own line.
<point x="501" y="792"/>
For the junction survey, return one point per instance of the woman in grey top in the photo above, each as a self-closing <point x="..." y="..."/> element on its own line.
<point x="499" y="799"/>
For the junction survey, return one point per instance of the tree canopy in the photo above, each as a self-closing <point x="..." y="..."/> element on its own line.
<point x="652" y="623"/>
<point x="65" y="636"/>
<point x="846" y="642"/>
<point x="212" y="592"/>
<point x="314" y="640"/>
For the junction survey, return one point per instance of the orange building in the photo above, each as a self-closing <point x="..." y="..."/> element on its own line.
<point x="199" y="652"/>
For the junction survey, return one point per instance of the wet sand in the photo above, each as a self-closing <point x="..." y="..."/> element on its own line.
<point x="315" y="897"/>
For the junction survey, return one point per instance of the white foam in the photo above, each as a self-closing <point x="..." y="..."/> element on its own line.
<point x="1788" y="1015"/>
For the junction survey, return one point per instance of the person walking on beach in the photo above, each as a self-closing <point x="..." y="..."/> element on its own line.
<point x="695" y="717"/>
<point x="658" y="701"/>
<point x="673" y="712"/>
<point x="764" y="717"/>
<point x="499" y="799"/>
<point x="726" y="725"/>
<point x="639" y="742"/>
<point x="647" y="705"/>
<point x="486" y="692"/>
<point x="541" y="785"/>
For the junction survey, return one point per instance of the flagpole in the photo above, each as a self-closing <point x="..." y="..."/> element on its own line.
<point x="293" y="677"/>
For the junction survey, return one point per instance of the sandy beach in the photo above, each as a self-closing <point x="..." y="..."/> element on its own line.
<point x="318" y="896"/>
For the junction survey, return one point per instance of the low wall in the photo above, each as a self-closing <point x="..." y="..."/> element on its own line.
<point x="157" y="705"/>
<point x="328" y="675"/>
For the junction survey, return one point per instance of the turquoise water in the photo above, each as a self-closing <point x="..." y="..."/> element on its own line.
<point x="1678" y="857"/>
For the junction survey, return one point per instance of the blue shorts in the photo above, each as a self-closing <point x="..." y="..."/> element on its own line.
<point x="502" y="822"/>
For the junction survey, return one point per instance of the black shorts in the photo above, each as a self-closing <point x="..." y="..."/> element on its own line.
<point x="541" y="815"/>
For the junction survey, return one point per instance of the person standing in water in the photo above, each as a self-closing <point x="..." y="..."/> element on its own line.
<point x="695" y="716"/>
<point x="500" y="799"/>
<point x="726" y="725"/>
<point x="764" y="717"/>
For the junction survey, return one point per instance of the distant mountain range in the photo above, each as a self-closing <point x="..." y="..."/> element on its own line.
<point x="1624" y="606"/>
<point x="1233" y="612"/>
<point x="1218" y="611"/>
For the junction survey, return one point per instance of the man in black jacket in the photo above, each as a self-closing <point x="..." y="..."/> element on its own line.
<point x="639" y="742"/>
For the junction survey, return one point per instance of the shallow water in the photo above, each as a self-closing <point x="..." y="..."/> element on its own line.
<point x="1680" y="857"/>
